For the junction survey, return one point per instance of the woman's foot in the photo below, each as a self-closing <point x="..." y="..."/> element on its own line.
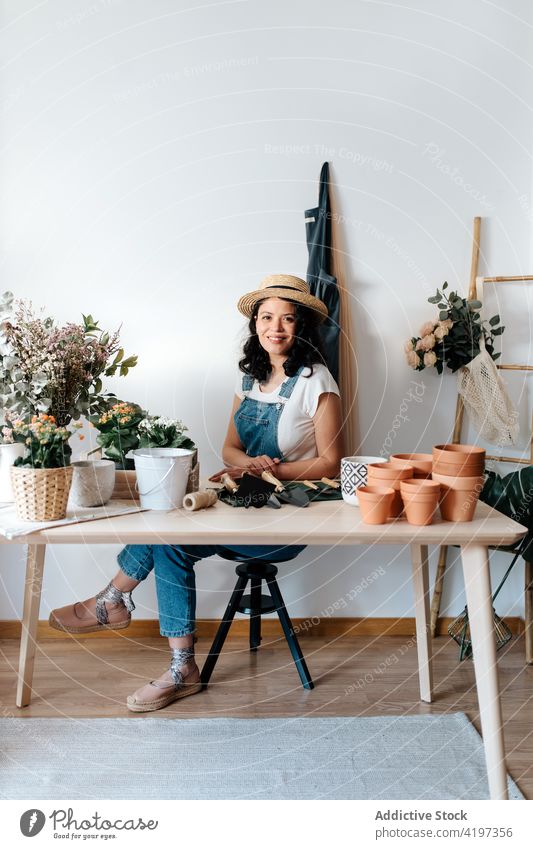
<point x="181" y="680"/>
<point x="110" y="609"/>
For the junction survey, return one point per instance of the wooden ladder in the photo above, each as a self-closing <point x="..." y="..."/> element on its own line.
<point x="456" y="437"/>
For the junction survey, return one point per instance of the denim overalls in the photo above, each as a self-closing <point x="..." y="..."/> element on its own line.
<point x="257" y="425"/>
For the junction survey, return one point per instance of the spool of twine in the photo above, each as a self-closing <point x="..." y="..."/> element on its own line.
<point x="200" y="500"/>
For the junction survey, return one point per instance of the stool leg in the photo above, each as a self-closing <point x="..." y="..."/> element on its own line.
<point x="223" y="629"/>
<point x="290" y="636"/>
<point x="255" y="616"/>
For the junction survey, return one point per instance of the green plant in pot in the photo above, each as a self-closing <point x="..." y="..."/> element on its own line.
<point x="119" y="431"/>
<point x="42" y="477"/>
<point x="161" y="432"/>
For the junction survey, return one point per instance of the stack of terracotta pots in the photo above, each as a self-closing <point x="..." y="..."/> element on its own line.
<point x="389" y="475"/>
<point x="421" y="499"/>
<point x="459" y="470"/>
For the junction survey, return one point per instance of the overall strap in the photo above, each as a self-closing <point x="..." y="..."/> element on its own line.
<point x="287" y="387"/>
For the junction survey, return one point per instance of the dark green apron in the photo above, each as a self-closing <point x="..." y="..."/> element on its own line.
<point x="321" y="283"/>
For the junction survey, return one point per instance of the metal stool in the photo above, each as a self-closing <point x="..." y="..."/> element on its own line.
<point x="254" y="605"/>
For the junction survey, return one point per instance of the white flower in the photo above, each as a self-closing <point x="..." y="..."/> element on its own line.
<point x="430" y="358"/>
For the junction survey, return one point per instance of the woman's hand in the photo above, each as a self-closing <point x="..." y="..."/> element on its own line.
<point x="254" y="466"/>
<point x="264" y="463"/>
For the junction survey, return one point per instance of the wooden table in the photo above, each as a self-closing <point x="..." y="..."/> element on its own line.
<point x="326" y="523"/>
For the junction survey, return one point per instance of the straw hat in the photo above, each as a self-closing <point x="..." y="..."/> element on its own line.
<point x="283" y="286"/>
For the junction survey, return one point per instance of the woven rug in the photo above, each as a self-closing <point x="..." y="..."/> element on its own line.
<point x="411" y="757"/>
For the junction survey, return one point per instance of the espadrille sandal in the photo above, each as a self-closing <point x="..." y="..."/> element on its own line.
<point x="79" y="619"/>
<point x="180" y="686"/>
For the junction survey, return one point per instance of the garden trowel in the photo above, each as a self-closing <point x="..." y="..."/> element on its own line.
<point x="294" y="496"/>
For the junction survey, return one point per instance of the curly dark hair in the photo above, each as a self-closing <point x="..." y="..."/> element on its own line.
<point x="306" y="350"/>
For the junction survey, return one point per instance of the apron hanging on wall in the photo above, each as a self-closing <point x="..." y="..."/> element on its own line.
<point x="322" y="284"/>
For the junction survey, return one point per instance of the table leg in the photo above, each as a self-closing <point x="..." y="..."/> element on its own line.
<point x="30" y="618"/>
<point x="419" y="557"/>
<point x="479" y="600"/>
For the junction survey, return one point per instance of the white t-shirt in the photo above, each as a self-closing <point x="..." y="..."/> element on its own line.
<point x="296" y="432"/>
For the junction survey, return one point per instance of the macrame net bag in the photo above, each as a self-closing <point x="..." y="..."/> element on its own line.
<point x="486" y="400"/>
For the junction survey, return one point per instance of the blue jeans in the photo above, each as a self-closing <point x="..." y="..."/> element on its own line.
<point x="175" y="580"/>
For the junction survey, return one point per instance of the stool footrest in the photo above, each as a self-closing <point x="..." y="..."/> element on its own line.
<point x="246" y="606"/>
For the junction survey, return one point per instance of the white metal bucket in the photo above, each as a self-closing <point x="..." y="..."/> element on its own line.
<point x="162" y="475"/>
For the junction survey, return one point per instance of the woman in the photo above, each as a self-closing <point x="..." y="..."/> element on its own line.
<point x="286" y="418"/>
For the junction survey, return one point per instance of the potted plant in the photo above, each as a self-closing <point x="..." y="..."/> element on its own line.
<point x="118" y="430"/>
<point x="58" y="370"/>
<point x="162" y="432"/>
<point x="9" y="451"/>
<point x="42" y="477"/>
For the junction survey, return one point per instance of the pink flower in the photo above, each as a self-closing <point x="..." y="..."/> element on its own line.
<point x="441" y="331"/>
<point x="408" y="346"/>
<point x="427" y="328"/>
<point x="427" y="343"/>
<point x="413" y="359"/>
<point x="430" y="358"/>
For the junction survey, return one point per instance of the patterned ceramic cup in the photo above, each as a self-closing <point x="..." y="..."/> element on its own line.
<point x="354" y="475"/>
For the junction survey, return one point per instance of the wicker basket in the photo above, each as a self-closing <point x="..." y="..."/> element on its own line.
<point x="41" y="495"/>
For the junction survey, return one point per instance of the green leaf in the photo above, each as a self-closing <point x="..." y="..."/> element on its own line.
<point x="119" y="356"/>
<point x="494" y="320"/>
<point x="130" y="362"/>
<point x="475" y="305"/>
<point x="443" y="315"/>
<point x="98" y="386"/>
<point x="498" y="331"/>
<point x="434" y="300"/>
<point x="445" y="285"/>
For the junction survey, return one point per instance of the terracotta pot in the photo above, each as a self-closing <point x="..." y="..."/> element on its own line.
<point x="459" y="496"/>
<point x="385" y="474"/>
<point x="375" y="503"/>
<point x="466" y="470"/>
<point x="421" y="509"/>
<point x="422" y="463"/>
<point x="457" y="455"/>
<point x="420" y="486"/>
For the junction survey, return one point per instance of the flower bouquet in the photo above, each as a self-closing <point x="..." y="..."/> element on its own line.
<point x="45" y="368"/>
<point x="42" y="477"/>
<point x="460" y="340"/>
<point x="454" y="339"/>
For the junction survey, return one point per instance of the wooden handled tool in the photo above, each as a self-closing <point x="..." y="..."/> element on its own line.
<point x="333" y="484"/>
<point x="293" y="496"/>
<point x="229" y="483"/>
<point x="269" y="477"/>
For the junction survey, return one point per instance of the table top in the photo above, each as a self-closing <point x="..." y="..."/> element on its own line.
<point x="323" y="523"/>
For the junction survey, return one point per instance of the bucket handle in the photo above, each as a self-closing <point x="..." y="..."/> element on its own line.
<point x="158" y="484"/>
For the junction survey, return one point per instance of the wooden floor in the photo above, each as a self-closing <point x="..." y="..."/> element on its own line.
<point x="358" y="676"/>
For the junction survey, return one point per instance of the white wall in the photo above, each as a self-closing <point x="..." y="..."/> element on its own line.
<point x="156" y="161"/>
